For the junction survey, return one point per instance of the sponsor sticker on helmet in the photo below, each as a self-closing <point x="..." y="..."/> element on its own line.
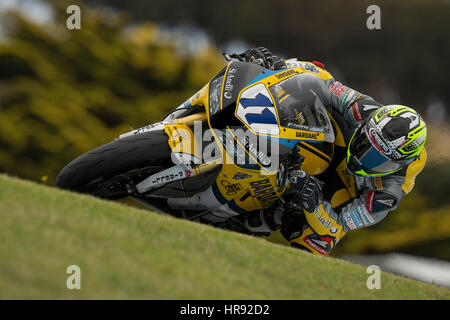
<point x="378" y="142"/>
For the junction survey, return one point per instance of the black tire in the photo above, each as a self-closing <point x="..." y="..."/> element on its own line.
<point x="145" y="151"/>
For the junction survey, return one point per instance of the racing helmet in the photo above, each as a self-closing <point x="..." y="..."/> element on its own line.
<point x="389" y="140"/>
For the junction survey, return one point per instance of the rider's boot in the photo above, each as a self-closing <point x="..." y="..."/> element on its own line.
<point x="263" y="222"/>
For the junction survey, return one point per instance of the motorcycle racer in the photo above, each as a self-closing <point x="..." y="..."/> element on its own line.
<point x="379" y="151"/>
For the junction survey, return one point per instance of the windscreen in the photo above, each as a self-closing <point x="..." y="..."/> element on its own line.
<point x="299" y="106"/>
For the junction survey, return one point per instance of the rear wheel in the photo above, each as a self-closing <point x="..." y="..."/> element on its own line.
<point x="110" y="170"/>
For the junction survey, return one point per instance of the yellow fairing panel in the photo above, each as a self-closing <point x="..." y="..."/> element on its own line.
<point x="181" y="140"/>
<point x="316" y="161"/>
<point x="247" y="189"/>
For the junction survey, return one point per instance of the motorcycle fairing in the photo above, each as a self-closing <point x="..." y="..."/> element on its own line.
<point x="248" y="188"/>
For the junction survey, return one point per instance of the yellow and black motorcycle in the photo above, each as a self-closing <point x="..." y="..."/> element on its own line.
<point x="219" y="156"/>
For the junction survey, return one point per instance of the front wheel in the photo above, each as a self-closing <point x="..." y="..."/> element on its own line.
<point x="108" y="171"/>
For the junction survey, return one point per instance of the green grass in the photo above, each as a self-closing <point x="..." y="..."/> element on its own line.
<point x="128" y="253"/>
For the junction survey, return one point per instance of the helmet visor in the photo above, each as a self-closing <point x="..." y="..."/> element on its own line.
<point x="363" y="157"/>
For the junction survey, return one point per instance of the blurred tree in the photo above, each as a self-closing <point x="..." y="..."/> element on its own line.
<point x="404" y="62"/>
<point x="65" y="92"/>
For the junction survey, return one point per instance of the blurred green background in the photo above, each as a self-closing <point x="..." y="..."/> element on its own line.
<point x="64" y="92"/>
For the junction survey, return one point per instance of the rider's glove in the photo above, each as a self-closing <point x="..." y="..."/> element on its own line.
<point x="263" y="57"/>
<point x="305" y="191"/>
<point x="293" y="223"/>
